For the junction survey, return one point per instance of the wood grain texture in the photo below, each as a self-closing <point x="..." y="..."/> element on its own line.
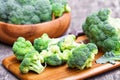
<point x="61" y="72"/>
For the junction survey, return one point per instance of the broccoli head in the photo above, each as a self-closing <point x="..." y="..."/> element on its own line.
<point x="82" y="56"/>
<point x="31" y="62"/>
<point x="21" y="47"/>
<point x="42" y="42"/>
<point x="103" y="30"/>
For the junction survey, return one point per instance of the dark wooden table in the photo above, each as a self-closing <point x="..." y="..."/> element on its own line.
<point x="80" y="9"/>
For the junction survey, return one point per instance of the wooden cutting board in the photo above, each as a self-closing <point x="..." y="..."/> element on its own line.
<point x="61" y="72"/>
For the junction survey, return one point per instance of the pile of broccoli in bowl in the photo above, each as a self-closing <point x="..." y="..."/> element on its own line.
<point x="46" y="51"/>
<point x="31" y="11"/>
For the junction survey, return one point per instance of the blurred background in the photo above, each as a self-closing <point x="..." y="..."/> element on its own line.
<point x="82" y="8"/>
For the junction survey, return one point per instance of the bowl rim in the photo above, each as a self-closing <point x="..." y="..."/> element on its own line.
<point x="23" y="25"/>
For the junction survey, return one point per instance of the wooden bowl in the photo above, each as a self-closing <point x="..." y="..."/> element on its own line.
<point x="55" y="28"/>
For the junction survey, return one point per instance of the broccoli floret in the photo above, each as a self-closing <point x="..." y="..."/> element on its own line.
<point x="82" y="56"/>
<point x="42" y="42"/>
<point x="53" y="56"/>
<point x="21" y="47"/>
<point x="68" y="42"/>
<point x="103" y="30"/>
<point x="65" y="55"/>
<point x="31" y="62"/>
<point x="59" y="7"/>
<point x="53" y="60"/>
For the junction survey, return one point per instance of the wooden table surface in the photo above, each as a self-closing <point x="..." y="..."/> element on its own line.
<point x="80" y="9"/>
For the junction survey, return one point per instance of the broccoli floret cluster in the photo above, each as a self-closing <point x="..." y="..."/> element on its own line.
<point x="104" y="31"/>
<point x="29" y="11"/>
<point x="59" y="7"/>
<point x="82" y="56"/>
<point x="67" y="43"/>
<point x="31" y="62"/>
<point x="42" y="42"/>
<point x="30" y="58"/>
<point x="21" y="47"/>
<point x="53" y="52"/>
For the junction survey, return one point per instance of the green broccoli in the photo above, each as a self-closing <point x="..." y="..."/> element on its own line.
<point x="31" y="11"/>
<point x="21" y="47"/>
<point x="42" y="42"/>
<point x="25" y="11"/>
<point x="3" y="16"/>
<point x="103" y="30"/>
<point x="63" y="2"/>
<point x="68" y="42"/>
<point x="53" y="56"/>
<point x="53" y="60"/>
<point x="82" y="56"/>
<point x="65" y="55"/>
<point x="43" y="9"/>
<point x="24" y="15"/>
<point x="31" y="62"/>
<point x="59" y="7"/>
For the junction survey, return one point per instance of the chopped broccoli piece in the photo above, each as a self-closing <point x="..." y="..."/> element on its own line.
<point x="59" y="7"/>
<point x="21" y="47"/>
<point x="31" y="62"/>
<point x="65" y="55"/>
<point x="42" y="42"/>
<point x="53" y="56"/>
<point x="68" y="42"/>
<point x="53" y="60"/>
<point x="82" y="56"/>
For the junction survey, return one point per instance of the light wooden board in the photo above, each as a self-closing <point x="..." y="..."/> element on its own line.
<point x="61" y="72"/>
